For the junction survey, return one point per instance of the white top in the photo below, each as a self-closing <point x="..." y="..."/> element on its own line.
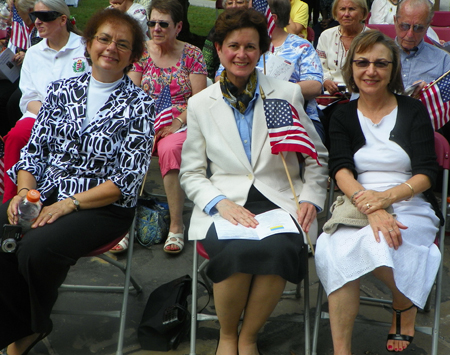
<point x="42" y="65"/>
<point x="140" y="14"/>
<point x="97" y="95"/>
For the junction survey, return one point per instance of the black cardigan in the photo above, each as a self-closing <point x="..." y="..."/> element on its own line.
<point x="413" y="132"/>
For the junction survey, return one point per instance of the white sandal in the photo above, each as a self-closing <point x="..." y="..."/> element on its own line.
<point x="121" y="246"/>
<point x="176" y="239"/>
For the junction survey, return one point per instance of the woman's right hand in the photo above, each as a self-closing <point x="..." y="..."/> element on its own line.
<point x="13" y="209"/>
<point x="330" y="86"/>
<point x="384" y="222"/>
<point x="235" y="213"/>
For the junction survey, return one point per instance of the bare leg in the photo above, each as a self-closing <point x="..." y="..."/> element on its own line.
<point x="19" y="347"/>
<point x="265" y="292"/>
<point x="344" y="306"/>
<point x="175" y="200"/>
<point x="230" y="298"/>
<point x="399" y="301"/>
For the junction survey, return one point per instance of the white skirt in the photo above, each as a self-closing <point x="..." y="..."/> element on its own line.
<point x="350" y="253"/>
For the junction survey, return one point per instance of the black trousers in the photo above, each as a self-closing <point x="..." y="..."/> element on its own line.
<point x="30" y="278"/>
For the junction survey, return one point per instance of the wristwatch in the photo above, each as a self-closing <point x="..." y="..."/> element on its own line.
<point x="76" y="203"/>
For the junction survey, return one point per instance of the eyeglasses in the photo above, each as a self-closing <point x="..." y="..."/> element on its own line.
<point x="236" y="2"/>
<point x="162" y="24"/>
<point x="363" y="63"/>
<point x="121" y="46"/>
<point x="416" y="28"/>
<point x="44" y="16"/>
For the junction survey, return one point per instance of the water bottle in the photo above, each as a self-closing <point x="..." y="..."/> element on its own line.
<point x="29" y="209"/>
<point x="447" y="220"/>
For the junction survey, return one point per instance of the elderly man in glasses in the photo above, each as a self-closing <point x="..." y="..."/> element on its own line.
<point x="421" y="62"/>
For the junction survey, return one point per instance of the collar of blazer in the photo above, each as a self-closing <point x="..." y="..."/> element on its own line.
<point x="223" y="116"/>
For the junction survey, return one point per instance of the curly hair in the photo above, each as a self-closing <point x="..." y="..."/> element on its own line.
<point x="238" y="18"/>
<point x="115" y="17"/>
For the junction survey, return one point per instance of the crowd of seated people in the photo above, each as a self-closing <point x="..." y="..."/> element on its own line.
<point x="213" y="145"/>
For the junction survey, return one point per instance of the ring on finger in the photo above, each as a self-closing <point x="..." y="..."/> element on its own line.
<point x="50" y="214"/>
<point x="390" y="230"/>
<point x="368" y="205"/>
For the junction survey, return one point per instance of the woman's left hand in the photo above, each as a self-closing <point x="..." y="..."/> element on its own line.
<point x="168" y="130"/>
<point x="384" y="222"/>
<point x="368" y="201"/>
<point x="50" y="214"/>
<point x="306" y="215"/>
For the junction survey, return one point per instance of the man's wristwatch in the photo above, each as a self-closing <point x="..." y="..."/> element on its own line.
<point x="76" y="203"/>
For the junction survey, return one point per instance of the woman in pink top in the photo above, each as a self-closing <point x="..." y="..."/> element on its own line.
<point x="170" y="71"/>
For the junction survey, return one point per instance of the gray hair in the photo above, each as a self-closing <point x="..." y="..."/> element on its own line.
<point x="362" y="4"/>
<point x="24" y="5"/>
<point x="281" y="8"/>
<point x="56" y="5"/>
<point x="414" y="4"/>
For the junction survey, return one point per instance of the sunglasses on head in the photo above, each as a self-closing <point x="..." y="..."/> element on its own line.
<point x="44" y="16"/>
<point x="416" y="28"/>
<point x="364" y="63"/>
<point x="162" y="24"/>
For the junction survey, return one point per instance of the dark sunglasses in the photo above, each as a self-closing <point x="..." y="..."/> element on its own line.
<point x="44" y="16"/>
<point x="162" y="24"/>
<point x="363" y="63"/>
<point x="416" y="28"/>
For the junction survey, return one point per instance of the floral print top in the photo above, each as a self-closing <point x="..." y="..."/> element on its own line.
<point x="154" y="79"/>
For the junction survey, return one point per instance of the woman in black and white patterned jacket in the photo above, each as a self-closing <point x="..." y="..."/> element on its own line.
<point x="88" y="152"/>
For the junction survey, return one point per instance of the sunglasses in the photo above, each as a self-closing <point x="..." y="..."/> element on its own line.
<point x="162" y="24"/>
<point x="416" y="28"/>
<point x="44" y="16"/>
<point x="363" y="63"/>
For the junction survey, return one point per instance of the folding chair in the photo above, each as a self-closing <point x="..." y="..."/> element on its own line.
<point x="125" y="289"/>
<point x="443" y="157"/>
<point x="198" y="317"/>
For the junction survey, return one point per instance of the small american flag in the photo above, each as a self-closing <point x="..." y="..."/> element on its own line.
<point x="263" y="7"/>
<point x="19" y="32"/>
<point x="286" y="133"/>
<point x="436" y="98"/>
<point x="163" y="109"/>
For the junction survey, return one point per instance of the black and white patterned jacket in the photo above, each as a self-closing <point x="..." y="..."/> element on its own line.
<point x="116" y="145"/>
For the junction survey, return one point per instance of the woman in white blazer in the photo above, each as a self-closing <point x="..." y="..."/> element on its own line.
<point x="227" y="167"/>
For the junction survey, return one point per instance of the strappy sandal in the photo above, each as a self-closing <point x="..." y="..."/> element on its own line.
<point x="121" y="246"/>
<point x="38" y="339"/>
<point x="398" y="326"/>
<point x="174" y="239"/>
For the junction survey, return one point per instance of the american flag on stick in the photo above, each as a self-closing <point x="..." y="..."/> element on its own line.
<point x="436" y="97"/>
<point x="163" y="109"/>
<point x="19" y="31"/>
<point x="286" y="133"/>
<point x="263" y="7"/>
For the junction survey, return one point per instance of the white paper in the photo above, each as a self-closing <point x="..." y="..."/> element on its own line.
<point x="278" y="67"/>
<point x="270" y="223"/>
<point x="8" y="69"/>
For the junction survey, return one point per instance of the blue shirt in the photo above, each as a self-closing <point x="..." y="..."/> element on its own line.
<point x="244" y="123"/>
<point x="425" y="62"/>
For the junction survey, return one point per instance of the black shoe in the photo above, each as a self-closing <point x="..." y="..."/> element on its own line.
<point x="398" y="328"/>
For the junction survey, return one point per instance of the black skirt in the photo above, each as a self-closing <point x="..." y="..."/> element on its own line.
<point x="283" y="254"/>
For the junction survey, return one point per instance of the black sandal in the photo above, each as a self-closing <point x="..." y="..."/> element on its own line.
<point x="397" y="336"/>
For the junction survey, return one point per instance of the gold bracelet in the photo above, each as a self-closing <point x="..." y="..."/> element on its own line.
<point x="181" y="121"/>
<point x="412" y="190"/>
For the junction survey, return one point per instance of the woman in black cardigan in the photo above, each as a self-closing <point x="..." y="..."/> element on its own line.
<point x="382" y="155"/>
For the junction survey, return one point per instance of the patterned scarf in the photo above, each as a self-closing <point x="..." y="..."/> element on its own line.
<point x="230" y="91"/>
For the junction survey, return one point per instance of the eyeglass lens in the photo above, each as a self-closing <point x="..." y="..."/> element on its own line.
<point x="107" y="41"/>
<point x="162" y="24"/>
<point x="378" y="63"/>
<point x="44" y="16"/>
<point x="416" y="28"/>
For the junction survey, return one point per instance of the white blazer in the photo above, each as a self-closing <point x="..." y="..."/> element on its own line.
<point x="213" y="140"/>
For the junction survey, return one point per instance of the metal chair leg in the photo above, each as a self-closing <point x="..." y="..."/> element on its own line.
<point x="317" y="318"/>
<point x="194" y="302"/>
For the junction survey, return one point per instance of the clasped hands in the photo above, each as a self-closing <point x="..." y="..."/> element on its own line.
<point x="237" y="214"/>
<point x="373" y="204"/>
<point x="48" y="214"/>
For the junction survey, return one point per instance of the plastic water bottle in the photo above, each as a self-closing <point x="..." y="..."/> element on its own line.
<point x="29" y="209"/>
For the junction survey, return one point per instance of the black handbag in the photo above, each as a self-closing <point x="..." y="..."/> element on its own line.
<point x="166" y="320"/>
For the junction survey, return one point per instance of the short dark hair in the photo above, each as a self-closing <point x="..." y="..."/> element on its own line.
<point x="365" y="41"/>
<point x="116" y="17"/>
<point x="238" y="18"/>
<point x="281" y="8"/>
<point x="171" y="7"/>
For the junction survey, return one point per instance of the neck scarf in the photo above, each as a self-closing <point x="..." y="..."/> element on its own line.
<point x="230" y="91"/>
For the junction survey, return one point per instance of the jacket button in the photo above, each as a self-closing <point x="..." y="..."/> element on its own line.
<point x="250" y="176"/>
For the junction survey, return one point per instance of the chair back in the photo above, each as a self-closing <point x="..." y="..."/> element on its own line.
<point x="388" y="30"/>
<point x="310" y="35"/>
<point x="441" y="19"/>
<point x="201" y="251"/>
<point x="442" y="148"/>
<point x="443" y="33"/>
